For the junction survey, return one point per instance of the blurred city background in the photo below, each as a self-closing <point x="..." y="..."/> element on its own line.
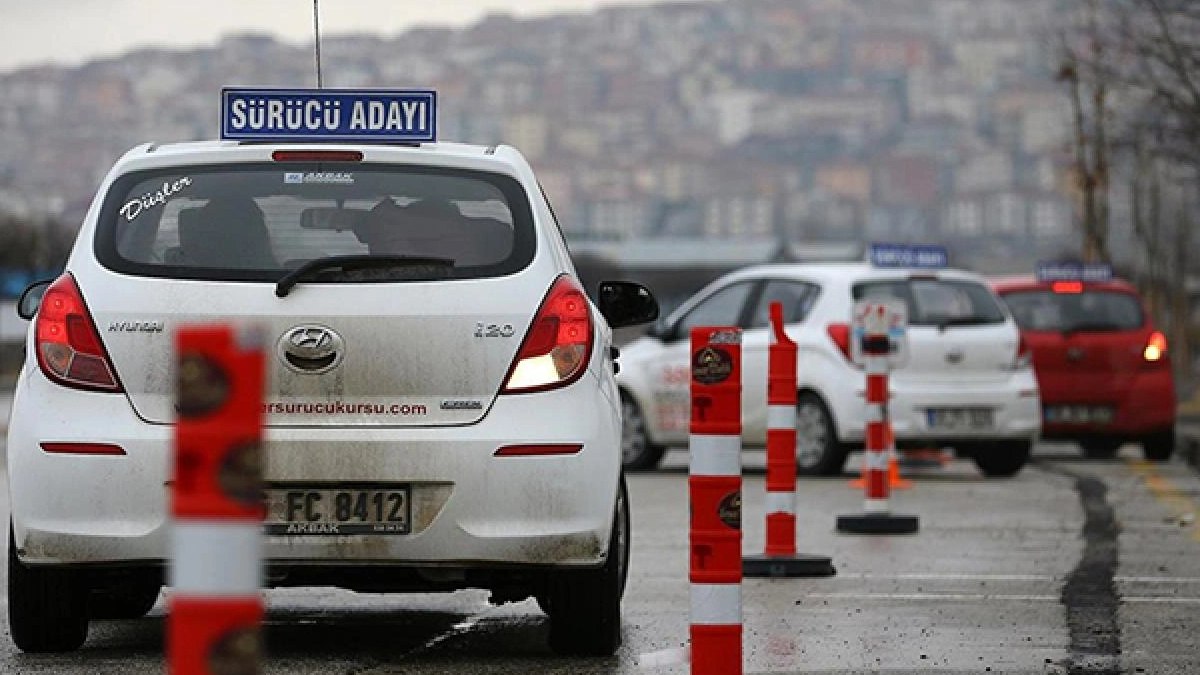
<point x="677" y="141"/>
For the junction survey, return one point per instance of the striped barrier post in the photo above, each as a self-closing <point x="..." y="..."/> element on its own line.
<point x="715" y="496"/>
<point x="876" y="351"/>
<point x="779" y="557"/>
<point x="895" y="480"/>
<point x="215" y="608"/>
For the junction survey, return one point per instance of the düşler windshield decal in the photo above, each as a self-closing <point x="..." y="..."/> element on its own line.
<point x="134" y="207"/>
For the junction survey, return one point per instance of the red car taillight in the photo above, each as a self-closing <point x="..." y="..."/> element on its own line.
<point x="68" y="345"/>
<point x="1156" y="347"/>
<point x="840" y="334"/>
<point x="1024" y="358"/>
<point x="558" y="345"/>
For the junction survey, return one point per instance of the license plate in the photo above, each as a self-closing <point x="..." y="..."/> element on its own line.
<point x="1078" y="414"/>
<point x="959" y="419"/>
<point x="339" y="511"/>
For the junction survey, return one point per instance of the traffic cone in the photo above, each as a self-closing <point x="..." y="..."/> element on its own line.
<point x="895" y="480"/>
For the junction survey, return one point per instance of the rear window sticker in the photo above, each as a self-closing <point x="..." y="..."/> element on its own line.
<point x="134" y="207"/>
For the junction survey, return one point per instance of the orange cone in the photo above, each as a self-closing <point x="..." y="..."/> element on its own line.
<point x="895" y="480"/>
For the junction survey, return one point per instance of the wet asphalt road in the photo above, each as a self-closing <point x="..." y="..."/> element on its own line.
<point x="1071" y="567"/>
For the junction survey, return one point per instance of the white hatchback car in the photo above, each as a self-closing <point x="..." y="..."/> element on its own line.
<point x="968" y="382"/>
<point x="428" y="336"/>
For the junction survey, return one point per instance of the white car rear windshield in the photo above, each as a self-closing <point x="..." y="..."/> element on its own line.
<point x="1092" y="311"/>
<point x="260" y="221"/>
<point x="937" y="302"/>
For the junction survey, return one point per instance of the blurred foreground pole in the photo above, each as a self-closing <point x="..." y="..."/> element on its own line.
<point x="715" y="496"/>
<point x="215" y="608"/>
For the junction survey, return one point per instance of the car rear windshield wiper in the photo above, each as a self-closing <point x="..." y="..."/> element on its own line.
<point x="347" y="264"/>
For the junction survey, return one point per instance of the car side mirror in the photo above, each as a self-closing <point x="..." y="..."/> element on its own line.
<point x="31" y="298"/>
<point x="625" y="303"/>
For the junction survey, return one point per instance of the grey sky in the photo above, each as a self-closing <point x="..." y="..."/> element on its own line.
<point x="71" y="31"/>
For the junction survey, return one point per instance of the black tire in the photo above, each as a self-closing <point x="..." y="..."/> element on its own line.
<point x="47" y="608"/>
<point x="638" y="452"/>
<point x="818" y="452"/>
<point x="1160" y="446"/>
<point x="1101" y="448"/>
<point x="1003" y="459"/>
<point x="585" y="605"/>
<point x="131" y="600"/>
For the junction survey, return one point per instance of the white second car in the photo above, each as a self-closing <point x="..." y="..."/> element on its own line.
<point x="429" y="344"/>
<point x="967" y="384"/>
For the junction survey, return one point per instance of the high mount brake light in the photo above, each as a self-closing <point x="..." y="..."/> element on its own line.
<point x="1156" y="347"/>
<point x="317" y="156"/>
<point x="1067" y="287"/>
<point x="558" y="345"/>
<point x="68" y="345"/>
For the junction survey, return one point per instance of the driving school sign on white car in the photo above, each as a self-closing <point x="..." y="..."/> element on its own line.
<point x="406" y="116"/>
<point x="880" y="317"/>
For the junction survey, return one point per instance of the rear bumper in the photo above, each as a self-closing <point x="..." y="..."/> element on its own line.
<point x="470" y="508"/>
<point x="1143" y="405"/>
<point x="1014" y="405"/>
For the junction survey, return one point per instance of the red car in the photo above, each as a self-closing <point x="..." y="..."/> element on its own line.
<point x="1102" y="367"/>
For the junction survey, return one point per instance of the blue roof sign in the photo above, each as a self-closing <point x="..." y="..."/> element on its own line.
<point x="1073" y="271"/>
<point x="908" y="255"/>
<point x="395" y="116"/>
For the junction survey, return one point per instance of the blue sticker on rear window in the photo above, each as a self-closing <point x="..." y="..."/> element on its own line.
<point x="318" y="178"/>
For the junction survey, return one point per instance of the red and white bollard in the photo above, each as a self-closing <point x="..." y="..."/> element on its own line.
<point x="876" y="351"/>
<point x="715" y="496"/>
<point x="780" y="558"/>
<point x="215" y="608"/>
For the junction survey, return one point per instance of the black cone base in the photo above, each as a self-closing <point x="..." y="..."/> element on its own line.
<point x="877" y="523"/>
<point x="798" y="565"/>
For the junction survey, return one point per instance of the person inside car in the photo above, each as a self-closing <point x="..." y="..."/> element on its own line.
<point x="433" y="228"/>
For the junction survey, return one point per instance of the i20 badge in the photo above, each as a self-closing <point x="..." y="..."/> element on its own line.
<point x="311" y="349"/>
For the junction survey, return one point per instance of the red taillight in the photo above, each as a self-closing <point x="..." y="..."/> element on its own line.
<point x="840" y="334"/>
<point x="1067" y="287"/>
<point x="1156" y="347"/>
<point x="1024" y="358"/>
<point x="317" y="156"/>
<point x="68" y="345"/>
<point x="559" y="342"/>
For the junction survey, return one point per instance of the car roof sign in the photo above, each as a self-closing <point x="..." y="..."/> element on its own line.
<point x="362" y="115"/>
<point x="925" y="256"/>
<point x="1073" y="271"/>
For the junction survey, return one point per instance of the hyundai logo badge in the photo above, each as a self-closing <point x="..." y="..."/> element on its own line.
<point x="311" y="349"/>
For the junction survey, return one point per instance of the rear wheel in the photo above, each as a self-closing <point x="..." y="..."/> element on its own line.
<point x="1100" y="448"/>
<point x="638" y="453"/>
<point x="817" y="450"/>
<point x="585" y="605"/>
<point x="1160" y="446"/>
<point x="47" y="608"/>
<point x="1002" y="459"/>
